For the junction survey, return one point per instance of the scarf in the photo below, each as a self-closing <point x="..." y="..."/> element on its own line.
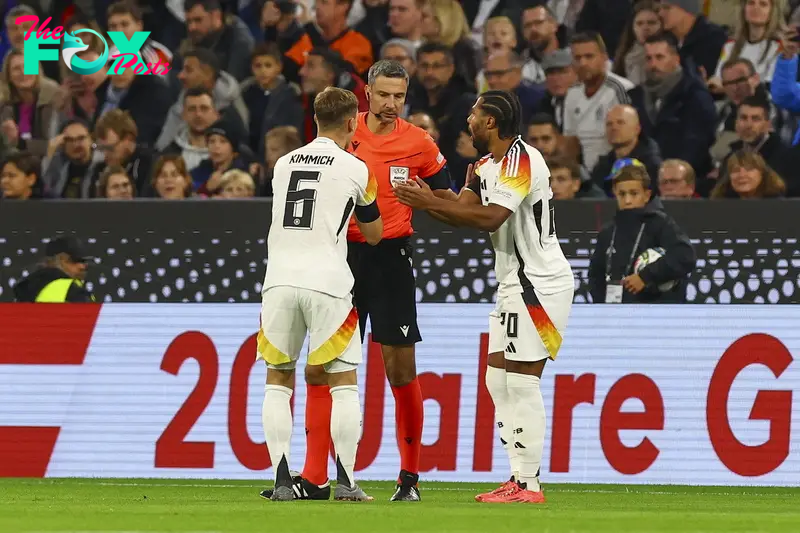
<point x="656" y="90"/>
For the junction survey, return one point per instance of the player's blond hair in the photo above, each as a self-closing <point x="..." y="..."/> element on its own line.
<point x="333" y="107"/>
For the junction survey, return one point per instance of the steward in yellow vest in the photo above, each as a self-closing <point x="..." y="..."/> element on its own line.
<point x="59" y="279"/>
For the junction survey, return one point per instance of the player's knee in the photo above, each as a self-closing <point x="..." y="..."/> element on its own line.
<point x="401" y="368"/>
<point x="496" y="360"/>
<point x="316" y="375"/>
<point x="342" y="377"/>
<point x="281" y="375"/>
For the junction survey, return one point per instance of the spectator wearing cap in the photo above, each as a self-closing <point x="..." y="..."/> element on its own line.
<point x="224" y="153"/>
<point x="587" y="104"/>
<point x="225" y="35"/>
<point x="700" y="42"/>
<point x="20" y="177"/>
<point x="59" y="278"/>
<point x="624" y="134"/>
<point x="674" y="106"/>
<point x="201" y="70"/>
<point x="70" y="162"/>
<point x="326" y="68"/>
<point x="270" y="100"/>
<point x="605" y="17"/>
<point x="443" y="22"/>
<point x="676" y="180"/>
<point x="279" y="23"/>
<point x="559" y="76"/>
<point x="116" y="136"/>
<point x="542" y="36"/>
<point x="330" y="30"/>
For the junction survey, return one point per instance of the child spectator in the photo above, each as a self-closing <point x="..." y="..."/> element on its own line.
<point x="223" y="154"/>
<point x="19" y="177"/>
<point x="115" y="184"/>
<point x="237" y="184"/>
<point x="270" y="100"/>
<point x="170" y="180"/>
<point x="637" y="226"/>
<point x="279" y="142"/>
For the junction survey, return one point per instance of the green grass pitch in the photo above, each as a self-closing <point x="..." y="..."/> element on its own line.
<point x="132" y="505"/>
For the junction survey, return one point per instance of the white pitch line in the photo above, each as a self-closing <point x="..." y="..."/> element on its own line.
<point x="445" y="489"/>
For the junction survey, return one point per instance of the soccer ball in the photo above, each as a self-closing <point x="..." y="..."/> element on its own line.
<point x="648" y="257"/>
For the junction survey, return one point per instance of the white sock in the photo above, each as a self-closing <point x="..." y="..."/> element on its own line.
<point x="276" y="415"/>
<point x="503" y="413"/>
<point x="529" y="426"/>
<point x="346" y="427"/>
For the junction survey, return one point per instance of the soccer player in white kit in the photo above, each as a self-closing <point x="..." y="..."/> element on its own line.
<point x="508" y="194"/>
<point x="308" y="284"/>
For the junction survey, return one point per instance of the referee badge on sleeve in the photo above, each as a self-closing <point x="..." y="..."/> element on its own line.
<point x="398" y="175"/>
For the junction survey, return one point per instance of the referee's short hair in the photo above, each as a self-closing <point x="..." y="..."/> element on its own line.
<point x="333" y="106"/>
<point x="505" y="108"/>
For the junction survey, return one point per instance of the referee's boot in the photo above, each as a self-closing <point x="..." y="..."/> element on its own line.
<point x="303" y="489"/>
<point x="407" y="489"/>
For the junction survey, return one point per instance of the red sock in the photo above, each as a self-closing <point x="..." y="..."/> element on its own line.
<point x="408" y="414"/>
<point x="318" y="433"/>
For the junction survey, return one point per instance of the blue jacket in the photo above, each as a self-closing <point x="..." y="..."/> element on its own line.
<point x="785" y="89"/>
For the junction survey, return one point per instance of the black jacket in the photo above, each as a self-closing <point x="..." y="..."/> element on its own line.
<point x="659" y="230"/>
<point x="139" y="167"/>
<point x="608" y="18"/>
<point x="685" y="125"/>
<point x="450" y="114"/>
<point x="148" y="99"/>
<point x="703" y="45"/>
<point x="29" y="288"/>
<point x="282" y="107"/>
<point x="646" y="151"/>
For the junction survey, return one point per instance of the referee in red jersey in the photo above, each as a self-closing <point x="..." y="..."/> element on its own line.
<point x="385" y="289"/>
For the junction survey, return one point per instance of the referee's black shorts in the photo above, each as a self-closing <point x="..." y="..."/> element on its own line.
<point x="385" y="290"/>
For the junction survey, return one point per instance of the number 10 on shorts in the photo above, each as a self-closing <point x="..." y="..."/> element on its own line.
<point x="510" y="321"/>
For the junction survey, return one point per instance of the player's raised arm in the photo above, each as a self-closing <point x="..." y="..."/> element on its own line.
<point x="368" y="216"/>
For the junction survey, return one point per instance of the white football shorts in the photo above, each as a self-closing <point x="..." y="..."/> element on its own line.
<point x="529" y="327"/>
<point x="288" y="313"/>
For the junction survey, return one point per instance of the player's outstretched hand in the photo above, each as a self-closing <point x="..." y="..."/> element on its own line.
<point x="414" y="193"/>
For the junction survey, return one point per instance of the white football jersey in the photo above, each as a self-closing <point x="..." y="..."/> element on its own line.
<point x="527" y="251"/>
<point x="585" y="117"/>
<point x="316" y="189"/>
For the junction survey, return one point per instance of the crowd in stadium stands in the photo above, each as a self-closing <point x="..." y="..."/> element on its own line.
<point x="709" y="110"/>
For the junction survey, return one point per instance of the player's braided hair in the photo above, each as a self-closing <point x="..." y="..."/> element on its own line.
<point x="504" y="106"/>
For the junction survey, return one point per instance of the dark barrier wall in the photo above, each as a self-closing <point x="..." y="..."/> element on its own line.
<point x="215" y="251"/>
